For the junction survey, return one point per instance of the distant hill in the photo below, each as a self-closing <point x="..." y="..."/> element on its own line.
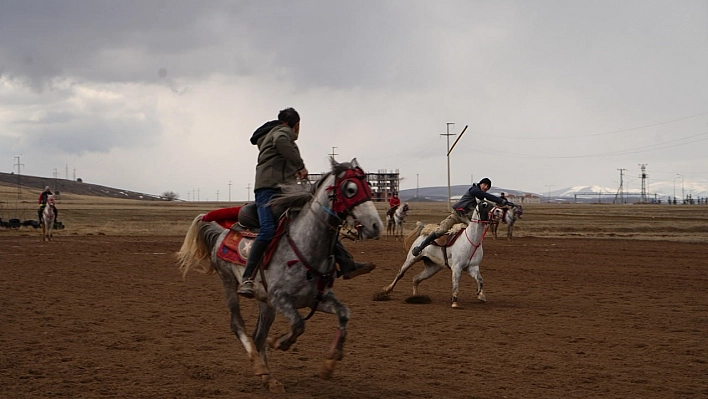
<point x="64" y="186"/>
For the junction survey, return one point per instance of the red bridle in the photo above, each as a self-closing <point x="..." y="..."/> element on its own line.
<point x="349" y="190"/>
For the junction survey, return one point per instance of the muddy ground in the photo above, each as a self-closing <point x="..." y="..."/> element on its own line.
<point x="94" y="316"/>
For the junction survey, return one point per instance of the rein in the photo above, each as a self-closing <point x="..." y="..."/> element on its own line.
<point x="476" y="247"/>
<point x="325" y="280"/>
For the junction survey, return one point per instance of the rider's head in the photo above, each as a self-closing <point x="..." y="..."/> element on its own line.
<point x="46" y="188"/>
<point x="290" y="117"/>
<point x="485" y="184"/>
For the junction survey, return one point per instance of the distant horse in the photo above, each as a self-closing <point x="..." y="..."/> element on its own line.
<point x="48" y="219"/>
<point x="508" y="216"/>
<point x="301" y="270"/>
<point x="462" y="252"/>
<point x="394" y="220"/>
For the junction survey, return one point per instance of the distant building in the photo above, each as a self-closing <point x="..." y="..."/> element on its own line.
<point x="383" y="183"/>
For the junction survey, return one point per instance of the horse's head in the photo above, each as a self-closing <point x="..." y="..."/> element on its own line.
<point x="519" y="211"/>
<point x="351" y="196"/>
<point x="405" y="207"/>
<point x="50" y="200"/>
<point x="484" y="210"/>
<point x="496" y="213"/>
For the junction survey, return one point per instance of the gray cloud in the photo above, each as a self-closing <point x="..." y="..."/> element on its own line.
<point x="548" y="82"/>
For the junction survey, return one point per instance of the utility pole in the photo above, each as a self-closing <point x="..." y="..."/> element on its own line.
<point x="19" y="183"/>
<point x="549" y="191"/>
<point x="229" y="190"/>
<point x="333" y="153"/>
<point x="620" y="191"/>
<point x="217" y="195"/>
<point x="683" y="192"/>
<point x="416" y="185"/>
<point x="248" y="191"/>
<point x="447" y="136"/>
<point x="198" y="196"/>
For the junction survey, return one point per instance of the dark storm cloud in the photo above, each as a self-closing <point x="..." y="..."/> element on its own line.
<point x="330" y="43"/>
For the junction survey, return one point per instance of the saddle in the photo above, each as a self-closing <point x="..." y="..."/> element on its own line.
<point x="236" y="246"/>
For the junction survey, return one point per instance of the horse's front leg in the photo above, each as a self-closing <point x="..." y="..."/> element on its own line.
<point x="456" y="273"/>
<point x="330" y="304"/>
<point x="284" y="305"/>
<point x="474" y="272"/>
<point x="406" y="265"/>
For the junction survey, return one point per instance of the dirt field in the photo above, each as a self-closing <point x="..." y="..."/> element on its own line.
<point x="585" y="302"/>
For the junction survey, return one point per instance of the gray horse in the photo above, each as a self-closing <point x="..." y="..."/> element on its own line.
<point x="301" y="271"/>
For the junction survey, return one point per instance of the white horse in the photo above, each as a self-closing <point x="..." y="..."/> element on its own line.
<point x="48" y="219"/>
<point x="509" y="217"/>
<point x="395" y="219"/>
<point x="464" y="253"/>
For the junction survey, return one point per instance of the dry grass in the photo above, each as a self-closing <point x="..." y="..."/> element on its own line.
<point x="85" y="215"/>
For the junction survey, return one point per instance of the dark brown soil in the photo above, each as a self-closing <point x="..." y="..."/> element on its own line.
<point x="111" y="317"/>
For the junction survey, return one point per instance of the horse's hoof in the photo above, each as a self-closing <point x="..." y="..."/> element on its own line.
<point x="271" y="342"/>
<point x="482" y="298"/>
<point x="273" y="385"/>
<point x="382" y="296"/>
<point x="327" y="369"/>
<point x="455" y="305"/>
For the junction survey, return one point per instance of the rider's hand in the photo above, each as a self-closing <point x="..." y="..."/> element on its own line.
<point x="302" y="174"/>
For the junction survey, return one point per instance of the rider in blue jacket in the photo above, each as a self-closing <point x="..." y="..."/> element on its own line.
<point x="461" y="209"/>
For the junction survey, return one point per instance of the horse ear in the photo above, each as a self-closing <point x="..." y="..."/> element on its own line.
<point x="355" y="163"/>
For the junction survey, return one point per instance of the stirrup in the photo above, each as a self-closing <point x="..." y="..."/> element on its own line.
<point x="417" y="251"/>
<point x="246" y="289"/>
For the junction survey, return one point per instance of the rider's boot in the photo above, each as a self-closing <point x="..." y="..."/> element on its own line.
<point x="39" y="215"/>
<point x="430" y="238"/>
<point x="258" y="248"/>
<point x="348" y="268"/>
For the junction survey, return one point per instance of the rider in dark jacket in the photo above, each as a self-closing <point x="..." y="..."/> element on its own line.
<point x="279" y="162"/>
<point x="461" y="209"/>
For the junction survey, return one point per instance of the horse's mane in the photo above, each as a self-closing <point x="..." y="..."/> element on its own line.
<point x="298" y="195"/>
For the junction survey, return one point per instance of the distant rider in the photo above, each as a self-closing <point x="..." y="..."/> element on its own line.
<point x="43" y="197"/>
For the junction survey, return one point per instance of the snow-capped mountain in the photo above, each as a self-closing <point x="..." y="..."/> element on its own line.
<point x="661" y="190"/>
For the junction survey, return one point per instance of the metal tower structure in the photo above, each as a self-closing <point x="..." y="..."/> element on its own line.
<point x="620" y="190"/>
<point x="644" y="177"/>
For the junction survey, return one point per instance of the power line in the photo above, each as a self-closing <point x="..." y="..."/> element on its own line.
<point x="610" y="132"/>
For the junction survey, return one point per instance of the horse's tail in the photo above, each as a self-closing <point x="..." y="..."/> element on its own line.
<point x="199" y="241"/>
<point x="410" y="237"/>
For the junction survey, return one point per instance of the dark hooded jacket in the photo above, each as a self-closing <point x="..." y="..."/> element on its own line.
<point x="278" y="158"/>
<point x="469" y="199"/>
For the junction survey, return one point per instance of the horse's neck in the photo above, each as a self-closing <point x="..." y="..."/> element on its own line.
<point x="475" y="229"/>
<point x="315" y="226"/>
<point x="510" y="215"/>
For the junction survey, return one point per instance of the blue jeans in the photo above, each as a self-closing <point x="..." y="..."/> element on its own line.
<point x="265" y="216"/>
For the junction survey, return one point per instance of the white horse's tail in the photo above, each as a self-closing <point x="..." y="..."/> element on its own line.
<point x="411" y="237"/>
<point x="195" y="252"/>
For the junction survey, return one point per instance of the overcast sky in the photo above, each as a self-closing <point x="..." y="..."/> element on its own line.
<point x="156" y="96"/>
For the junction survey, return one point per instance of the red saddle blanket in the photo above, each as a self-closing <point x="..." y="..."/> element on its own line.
<point x="226" y="217"/>
<point x="236" y="247"/>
